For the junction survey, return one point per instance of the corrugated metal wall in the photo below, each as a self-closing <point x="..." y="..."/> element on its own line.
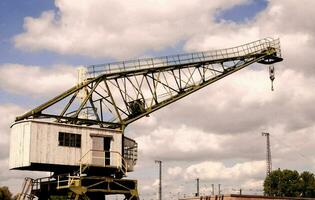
<point x="20" y="140"/>
<point x="37" y="142"/>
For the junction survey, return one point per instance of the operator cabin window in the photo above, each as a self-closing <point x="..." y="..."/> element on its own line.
<point x="69" y="139"/>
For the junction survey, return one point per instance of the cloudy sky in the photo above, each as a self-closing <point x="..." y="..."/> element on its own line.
<point x="217" y="138"/>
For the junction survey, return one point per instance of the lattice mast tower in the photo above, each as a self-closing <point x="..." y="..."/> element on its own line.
<point x="268" y="154"/>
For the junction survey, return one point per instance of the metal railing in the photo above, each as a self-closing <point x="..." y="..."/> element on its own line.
<point x="38" y="182"/>
<point x="100" y="158"/>
<point x="248" y="49"/>
<point x="66" y="182"/>
<point x="27" y="188"/>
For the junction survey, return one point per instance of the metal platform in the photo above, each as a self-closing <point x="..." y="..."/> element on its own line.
<point x="78" y="187"/>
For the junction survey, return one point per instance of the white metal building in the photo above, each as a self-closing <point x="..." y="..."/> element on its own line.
<point x="47" y="146"/>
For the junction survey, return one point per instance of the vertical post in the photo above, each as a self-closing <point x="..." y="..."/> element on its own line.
<point x="212" y="192"/>
<point x="160" y="178"/>
<point x="219" y="188"/>
<point x="268" y="154"/>
<point x="197" y="194"/>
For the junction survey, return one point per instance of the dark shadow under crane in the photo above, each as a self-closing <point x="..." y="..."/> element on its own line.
<point x="117" y="94"/>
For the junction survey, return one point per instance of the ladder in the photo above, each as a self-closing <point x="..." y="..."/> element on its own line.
<point x="26" y="193"/>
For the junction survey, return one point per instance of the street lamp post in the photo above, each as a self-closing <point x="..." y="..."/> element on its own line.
<point x="160" y="178"/>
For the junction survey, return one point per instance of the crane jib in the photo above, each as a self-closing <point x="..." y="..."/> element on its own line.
<point x="117" y="94"/>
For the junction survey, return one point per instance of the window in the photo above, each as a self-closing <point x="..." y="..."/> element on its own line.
<point x="69" y="139"/>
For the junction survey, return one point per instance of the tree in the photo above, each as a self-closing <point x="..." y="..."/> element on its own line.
<point x="290" y="184"/>
<point x="5" y="193"/>
<point x="272" y="183"/>
<point x="307" y="184"/>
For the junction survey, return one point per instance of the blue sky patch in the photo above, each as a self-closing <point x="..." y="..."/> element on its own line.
<point x="243" y="12"/>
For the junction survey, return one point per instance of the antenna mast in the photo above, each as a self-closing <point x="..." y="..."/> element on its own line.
<point x="268" y="154"/>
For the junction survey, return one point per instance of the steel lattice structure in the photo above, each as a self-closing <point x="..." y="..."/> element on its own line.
<point x="268" y="154"/>
<point x="118" y="94"/>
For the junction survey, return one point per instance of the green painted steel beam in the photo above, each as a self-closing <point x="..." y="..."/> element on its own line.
<point x="125" y="100"/>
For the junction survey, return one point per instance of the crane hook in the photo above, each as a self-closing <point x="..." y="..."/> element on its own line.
<point x="272" y="75"/>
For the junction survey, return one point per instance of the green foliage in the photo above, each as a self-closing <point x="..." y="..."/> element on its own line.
<point x="307" y="184"/>
<point x="290" y="184"/>
<point x="5" y="193"/>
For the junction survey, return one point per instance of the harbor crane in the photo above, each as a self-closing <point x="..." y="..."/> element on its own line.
<point x="79" y="134"/>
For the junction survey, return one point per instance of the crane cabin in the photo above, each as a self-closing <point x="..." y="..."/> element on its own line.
<point x="63" y="148"/>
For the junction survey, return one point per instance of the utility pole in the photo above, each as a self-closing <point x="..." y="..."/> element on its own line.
<point x="160" y="178"/>
<point x="197" y="194"/>
<point x="268" y="154"/>
<point x="219" y="188"/>
<point x="212" y="192"/>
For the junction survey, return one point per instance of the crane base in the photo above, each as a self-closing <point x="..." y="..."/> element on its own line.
<point x="81" y="187"/>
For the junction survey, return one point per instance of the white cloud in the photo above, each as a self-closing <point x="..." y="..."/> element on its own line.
<point x="9" y="112"/>
<point x="117" y="28"/>
<point x="253" y="184"/>
<point x="36" y="80"/>
<point x="174" y="171"/>
<point x="296" y="33"/>
<point x="218" y="171"/>
<point x="181" y="143"/>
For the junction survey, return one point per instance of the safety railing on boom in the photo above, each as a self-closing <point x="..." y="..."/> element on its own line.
<point x="100" y="158"/>
<point x="248" y="49"/>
